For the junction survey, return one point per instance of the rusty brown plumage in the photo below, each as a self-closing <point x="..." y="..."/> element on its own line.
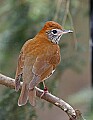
<point x="38" y="58"/>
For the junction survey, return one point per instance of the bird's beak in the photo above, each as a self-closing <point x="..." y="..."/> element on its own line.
<point x="66" y="31"/>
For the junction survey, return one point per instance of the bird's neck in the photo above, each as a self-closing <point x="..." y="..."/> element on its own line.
<point x="43" y="38"/>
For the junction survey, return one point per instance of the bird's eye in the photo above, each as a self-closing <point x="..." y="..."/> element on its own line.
<point x="54" y="31"/>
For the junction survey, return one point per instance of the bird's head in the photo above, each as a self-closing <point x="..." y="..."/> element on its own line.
<point x="54" y="31"/>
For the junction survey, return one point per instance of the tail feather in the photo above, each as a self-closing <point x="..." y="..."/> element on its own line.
<point x="27" y="94"/>
<point x="32" y="96"/>
<point x="23" y="96"/>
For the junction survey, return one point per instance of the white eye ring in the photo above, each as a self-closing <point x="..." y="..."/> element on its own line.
<point x="54" y="31"/>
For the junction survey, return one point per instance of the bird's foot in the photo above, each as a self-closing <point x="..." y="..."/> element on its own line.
<point x="44" y="92"/>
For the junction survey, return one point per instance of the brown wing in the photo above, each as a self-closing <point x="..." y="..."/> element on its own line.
<point x="44" y="66"/>
<point x="19" y="71"/>
<point x="41" y="69"/>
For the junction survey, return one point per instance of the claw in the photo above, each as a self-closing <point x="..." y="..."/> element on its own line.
<point x="44" y="92"/>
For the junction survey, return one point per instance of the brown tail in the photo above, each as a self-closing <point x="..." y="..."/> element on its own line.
<point x="32" y="97"/>
<point x="25" y="95"/>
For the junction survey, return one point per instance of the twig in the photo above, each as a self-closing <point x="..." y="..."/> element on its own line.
<point x="59" y="2"/>
<point x="74" y="33"/>
<point x="68" y="14"/>
<point x="10" y="82"/>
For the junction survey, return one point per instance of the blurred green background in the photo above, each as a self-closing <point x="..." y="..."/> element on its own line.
<point x="21" y="20"/>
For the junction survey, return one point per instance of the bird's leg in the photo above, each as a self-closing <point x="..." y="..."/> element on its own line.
<point x="45" y="90"/>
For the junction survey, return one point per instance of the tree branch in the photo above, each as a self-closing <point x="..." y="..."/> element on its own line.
<point x="10" y="82"/>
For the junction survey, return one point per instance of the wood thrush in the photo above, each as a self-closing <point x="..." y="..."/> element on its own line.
<point x="37" y="60"/>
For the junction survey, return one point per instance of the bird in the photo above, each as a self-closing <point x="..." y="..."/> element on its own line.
<point x="38" y="60"/>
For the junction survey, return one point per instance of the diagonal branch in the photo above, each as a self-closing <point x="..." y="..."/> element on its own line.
<point x="10" y="82"/>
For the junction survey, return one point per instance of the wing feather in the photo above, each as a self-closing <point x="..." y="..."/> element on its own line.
<point x="19" y="71"/>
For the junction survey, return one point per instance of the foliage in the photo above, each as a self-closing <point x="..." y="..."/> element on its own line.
<point x="10" y="110"/>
